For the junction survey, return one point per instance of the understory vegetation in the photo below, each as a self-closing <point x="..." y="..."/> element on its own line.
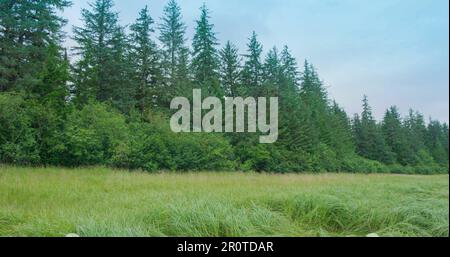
<point x="105" y="202"/>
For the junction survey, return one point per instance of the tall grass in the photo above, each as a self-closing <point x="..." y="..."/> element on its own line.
<point x="104" y="202"/>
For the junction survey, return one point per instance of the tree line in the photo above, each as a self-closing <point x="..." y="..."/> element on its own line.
<point x="106" y="101"/>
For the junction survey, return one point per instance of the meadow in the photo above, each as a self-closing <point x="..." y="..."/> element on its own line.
<point x="104" y="202"/>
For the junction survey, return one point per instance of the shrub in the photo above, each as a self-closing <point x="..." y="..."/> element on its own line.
<point x="255" y="157"/>
<point x="152" y="146"/>
<point x="32" y="133"/>
<point x="18" y="139"/>
<point x="354" y="163"/>
<point x="283" y="160"/>
<point x="327" y="159"/>
<point x="424" y="158"/>
<point x="93" y="134"/>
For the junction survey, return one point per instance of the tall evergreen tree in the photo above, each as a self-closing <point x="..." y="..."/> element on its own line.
<point x="175" y="53"/>
<point x="272" y="76"/>
<point x="416" y="132"/>
<point x="437" y="141"/>
<point x="253" y="68"/>
<point x="300" y="129"/>
<point x="341" y="140"/>
<point x="369" y="138"/>
<point x="311" y="86"/>
<point x="53" y="88"/>
<point x="272" y="66"/>
<point x="145" y="58"/>
<point x="99" y="74"/>
<point x="230" y="69"/>
<point x="365" y="124"/>
<point x="314" y="97"/>
<point x="445" y="138"/>
<point x="120" y="73"/>
<point x="289" y="67"/>
<point x="395" y="136"/>
<point x="297" y="132"/>
<point x="205" y="62"/>
<point x="417" y="129"/>
<point x="30" y="35"/>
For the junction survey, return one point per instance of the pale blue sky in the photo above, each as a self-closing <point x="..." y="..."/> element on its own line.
<point x="395" y="51"/>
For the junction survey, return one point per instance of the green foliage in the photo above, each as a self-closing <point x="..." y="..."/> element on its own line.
<point x="111" y="107"/>
<point x="30" y="133"/>
<point x="357" y="164"/>
<point x="370" y="142"/>
<point x="17" y="136"/>
<point x="93" y="133"/>
<point x="174" y="51"/>
<point x="205" y="60"/>
<point x="153" y="146"/>
<point x="253" y="68"/>
<point x="230" y="70"/>
<point x="103" y="69"/>
<point x="289" y="67"/>
<point x="145" y="60"/>
<point x="395" y="137"/>
<point x="28" y="30"/>
<point x="327" y="159"/>
<point x="437" y="141"/>
<point x="53" y="89"/>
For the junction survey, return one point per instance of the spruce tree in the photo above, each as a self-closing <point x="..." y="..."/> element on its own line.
<point x="416" y="130"/>
<point x="30" y="35"/>
<point x="271" y="67"/>
<point x="395" y="136"/>
<point x="341" y="140"/>
<point x="312" y="88"/>
<point x="175" y="53"/>
<point x="289" y="67"/>
<point x="369" y="139"/>
<point x="145" y="59"/>
<point x="314" y="97"/>
<point x="95" y="41"/>
<point x="102" y="70"/>
<point x="120" y="73"/>
<point x="445" y="139"/>
<point x="253" y="68"/>
<point x="230" y="69"/>
<point x="437" y="141"/>
<point x="205" y="62"/>
<point x="53" y="88"/>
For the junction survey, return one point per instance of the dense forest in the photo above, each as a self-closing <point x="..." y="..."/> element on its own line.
<point x="106" y="101"/>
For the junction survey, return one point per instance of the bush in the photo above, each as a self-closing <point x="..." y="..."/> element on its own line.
<point x="49" y="128"/>
<point x="283" y="160"/>
<point x="153" y="146"/>
<point x="93" y="134"/>
<point x="327" y="159"/>
<point x="32" y="133"/>
<point x="424" y="158"/>
<point x="18" y="138"/>
<point x="255" y="157"/>
<point x="354" y="163"/>
<point x="430" y="169"/>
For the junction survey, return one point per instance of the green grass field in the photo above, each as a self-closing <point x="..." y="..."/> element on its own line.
<point x="104" y="202"/>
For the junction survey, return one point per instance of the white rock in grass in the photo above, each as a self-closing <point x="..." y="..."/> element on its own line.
<point x="72" y="235"/>
<point x="373" y="235"/>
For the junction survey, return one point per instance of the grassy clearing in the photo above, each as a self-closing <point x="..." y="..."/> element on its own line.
<point x="104" y="202"/>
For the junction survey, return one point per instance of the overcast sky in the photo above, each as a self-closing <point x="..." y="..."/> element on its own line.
<point x="395" y="51"/>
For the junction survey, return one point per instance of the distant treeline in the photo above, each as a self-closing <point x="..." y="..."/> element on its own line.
<point x="109" y="104"/>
